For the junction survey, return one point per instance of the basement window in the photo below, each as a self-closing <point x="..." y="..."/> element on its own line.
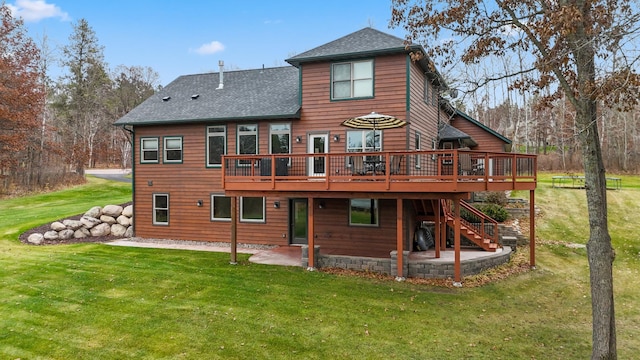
<point x="160" y="209"/>
<point x="363" y="212"/>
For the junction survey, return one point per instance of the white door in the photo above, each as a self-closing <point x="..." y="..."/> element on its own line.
<point x="318" y="144"/>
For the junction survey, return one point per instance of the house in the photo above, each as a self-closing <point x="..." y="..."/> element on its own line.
<point x="261" y="157"/>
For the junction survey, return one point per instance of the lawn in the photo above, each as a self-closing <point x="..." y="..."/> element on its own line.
<point x="93" y="301"/>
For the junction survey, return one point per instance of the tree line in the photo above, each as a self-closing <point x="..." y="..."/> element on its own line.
<point x="51" y="130"/>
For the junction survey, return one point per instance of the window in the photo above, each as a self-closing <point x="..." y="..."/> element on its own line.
<point x="418" y="146"/>
<point x="363" y="212"/>
<point x="364" y="140"/>
<point x="247" y="140"/>
<point x="352" y="80"/>
<point x="427" y="97"/>
<point x="160" y="209"/>
<point x="280" y="138"/>
<point x="434" y="97"/>
<point x="252" y="209"/>
<point x="216" y="144"/>
<point x="173" y="149"/>
<point x="220" y="207"/>
<point x="149" y="150"/>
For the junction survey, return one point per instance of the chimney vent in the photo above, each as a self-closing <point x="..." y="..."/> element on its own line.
<point x="221" y="74"/>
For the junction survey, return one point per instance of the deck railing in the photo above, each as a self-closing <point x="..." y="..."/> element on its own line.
<point x="376" y="171"/>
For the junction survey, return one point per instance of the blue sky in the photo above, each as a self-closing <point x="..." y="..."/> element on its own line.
<point x="188" y="37"/>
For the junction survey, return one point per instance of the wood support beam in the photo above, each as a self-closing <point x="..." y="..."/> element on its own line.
<point x="400" y="239"/>
<point x="456" y="266"/>
<point x="437" y="208"/>
<point x="532" y="228"/>
<point x="311" y="234"/>
<point x="234" y="227"/>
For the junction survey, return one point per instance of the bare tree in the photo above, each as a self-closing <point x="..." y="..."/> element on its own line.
<point x="568" y="43"/>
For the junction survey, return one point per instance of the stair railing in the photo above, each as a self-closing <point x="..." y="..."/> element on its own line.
<point x="480" y="223"/>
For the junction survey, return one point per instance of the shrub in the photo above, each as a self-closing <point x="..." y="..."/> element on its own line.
<point x="496" y="197"/>
<point x="494" y="211"/>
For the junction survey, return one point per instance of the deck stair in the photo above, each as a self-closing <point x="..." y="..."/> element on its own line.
<point x="474" y="225"/>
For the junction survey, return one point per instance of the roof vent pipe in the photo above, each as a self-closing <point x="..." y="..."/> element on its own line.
<point x="221" y="65"/>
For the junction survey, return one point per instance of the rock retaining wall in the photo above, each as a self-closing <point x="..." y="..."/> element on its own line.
<point x="98" y="221"/>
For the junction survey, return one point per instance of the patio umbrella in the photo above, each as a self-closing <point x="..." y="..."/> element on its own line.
<point x="374" y="121"/>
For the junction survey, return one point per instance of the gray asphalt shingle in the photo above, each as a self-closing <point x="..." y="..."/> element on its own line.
<point x="248" y="94"/>
<point x="365" y="42"/>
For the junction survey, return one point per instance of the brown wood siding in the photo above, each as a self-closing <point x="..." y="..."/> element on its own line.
<point x="322" y="115"/>
<point x="334" y="235"/>
<point x="485" y="140"/>
<point x="190" y="181"/>
<point x="423" y="116"/>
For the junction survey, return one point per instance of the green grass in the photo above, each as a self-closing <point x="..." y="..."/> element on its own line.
<point x="93" y="301"/>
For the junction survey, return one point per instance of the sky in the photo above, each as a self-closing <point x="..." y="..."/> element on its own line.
<point x="189" y="37"/>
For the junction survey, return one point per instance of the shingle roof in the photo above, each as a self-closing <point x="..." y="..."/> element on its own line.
<point x="447" y="132"/>
<point x="248" y="94"/>
<point x="364" y="42"/>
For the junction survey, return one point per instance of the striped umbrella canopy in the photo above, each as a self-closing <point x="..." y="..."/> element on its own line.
<point x="374" y="121"/>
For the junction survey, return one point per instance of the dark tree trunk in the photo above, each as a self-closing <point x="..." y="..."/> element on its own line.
<point x="599" y="250"/>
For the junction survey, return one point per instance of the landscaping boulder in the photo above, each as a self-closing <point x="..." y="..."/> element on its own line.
<point x="101" y="229"/>
<point x="128" y="211"/>
<point x="118" y="230"/>
<point x="129" y="232"/>
<point x="65" y="234"/>
<point x="107" y="219"/>
<point x="94" y="212"/>
<point x="112" y="210"/>
<point x="57" y="226"/>
<point x="81" y="233"/>
<point x="36" y="238"/>
<point x="51" y="235"/>
<point x="72" y="224"/>
<point x="89" y="221"/>
<point x="123" y="220"/>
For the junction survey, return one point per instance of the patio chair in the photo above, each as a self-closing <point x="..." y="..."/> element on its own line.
<point x="465" y="163"/>
<point x="395" y="166"/>
<point x="357" y="166"/>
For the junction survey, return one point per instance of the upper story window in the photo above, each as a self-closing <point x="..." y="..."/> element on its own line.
<point x="247" y="140"/>
<point x="427" y="91"/>
<point x="364" y="140"/>
<point x="352" y="80"/>
<point x="149" y="150"/>
<point x="216" y="144"/>
<point x="280" y="138"/>
<point x="173" y="149"/>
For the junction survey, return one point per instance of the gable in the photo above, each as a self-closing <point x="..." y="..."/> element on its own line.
<point x="486" y="138"/>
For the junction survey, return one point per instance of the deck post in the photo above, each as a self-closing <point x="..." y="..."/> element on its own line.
<point x="234" y="240"/>
<point x="532" y="229"/>
<point x="456" y="266"/>
<point x="443" y="234"/>
<point x="311" y="241"/>
<point x="399" y="240"/>
<point x="437" y="233"/>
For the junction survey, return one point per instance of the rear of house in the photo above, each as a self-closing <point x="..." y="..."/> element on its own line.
<point x="261" y="156"/>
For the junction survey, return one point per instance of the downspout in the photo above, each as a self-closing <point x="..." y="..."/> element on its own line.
<point x="133" y="172"/>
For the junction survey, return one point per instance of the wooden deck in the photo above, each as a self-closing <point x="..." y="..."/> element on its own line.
<point x="407" y="172"/>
